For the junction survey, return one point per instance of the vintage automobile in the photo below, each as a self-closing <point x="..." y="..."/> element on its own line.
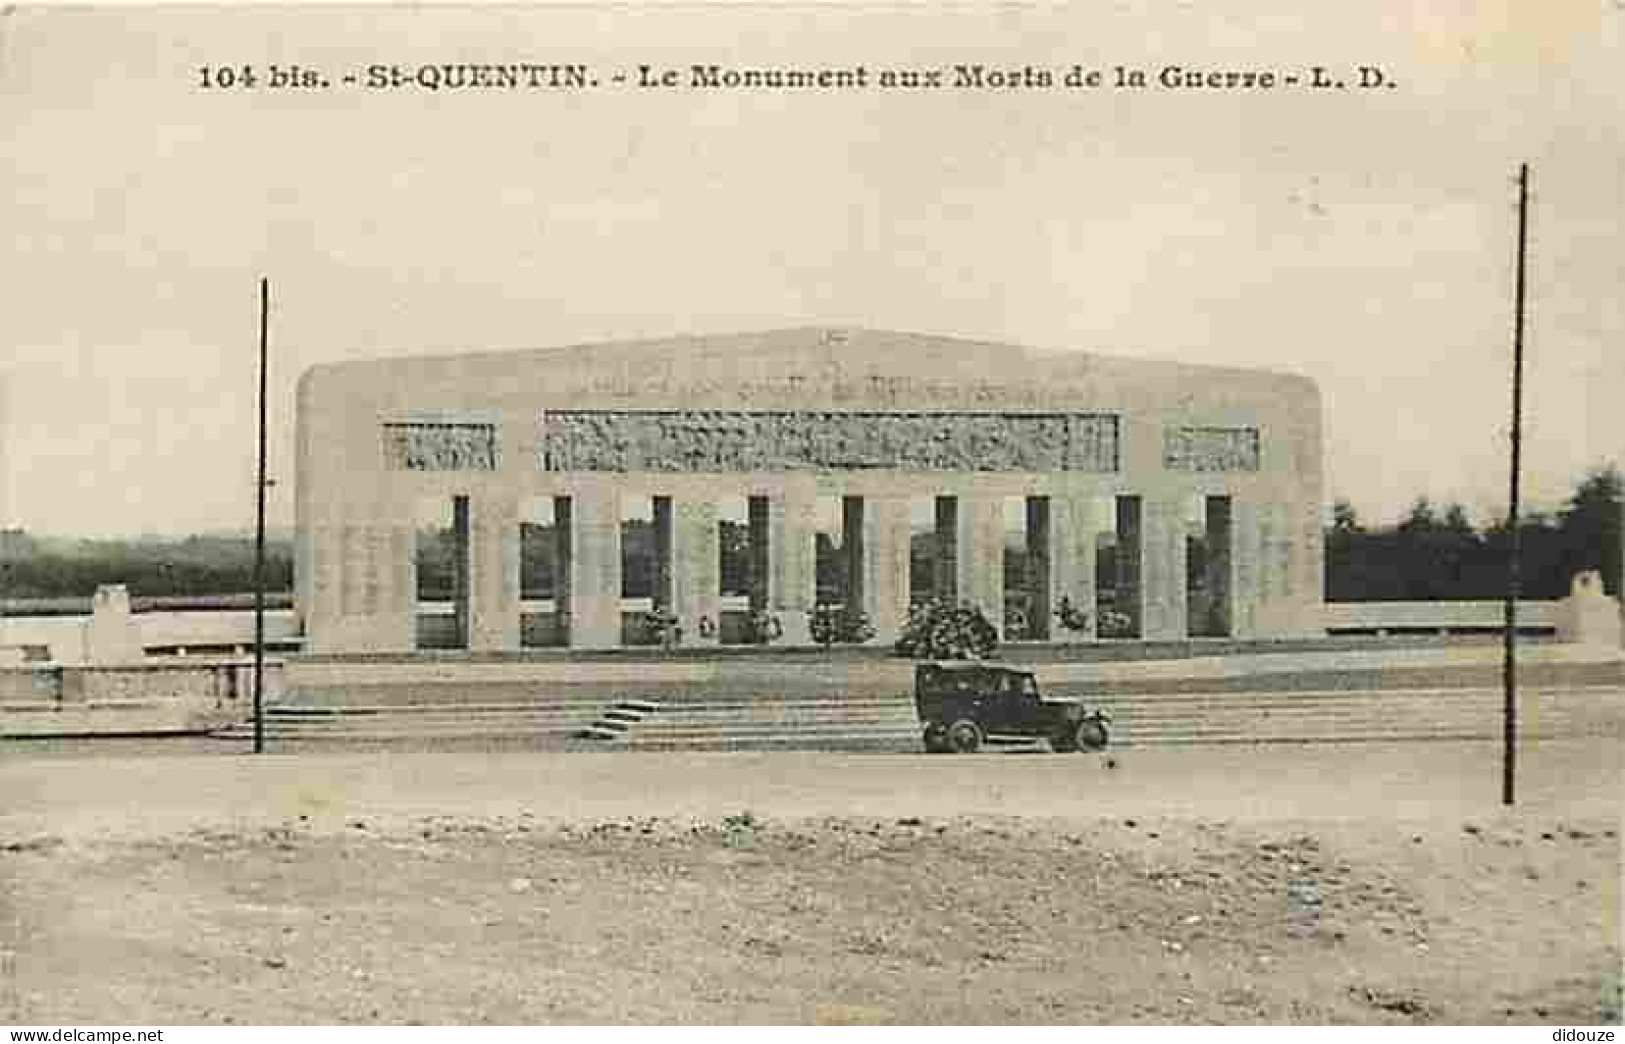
<point x="961" y="705"/>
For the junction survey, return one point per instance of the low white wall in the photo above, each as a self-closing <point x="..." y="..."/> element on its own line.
<point x="230" y="627"/>
<point x="1437" y="616"/>
<point x="64" y="636"/>
<point x="163" y="695"/>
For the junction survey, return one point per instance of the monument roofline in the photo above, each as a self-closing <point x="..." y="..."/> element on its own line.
<point x="835" y="348"/>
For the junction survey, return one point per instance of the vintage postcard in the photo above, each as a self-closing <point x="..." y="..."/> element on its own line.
<point x="811" y="513"/>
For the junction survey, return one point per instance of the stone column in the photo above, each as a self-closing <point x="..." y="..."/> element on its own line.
<point x="461" y="570"/>
<point x="593" y="591"/>
<point x="1167" y="614"/>
<point x="493" y="605"/>
<point x="1245" y="551"/>
<point x="1275" y="543"/>
<point x="1066" y="547"/>
<point x="792" y="527"/>
<point x="1272" y="538"/>
<point x="696" y="574"/>
<point x="979" y="557"/>
<point x="885" y="565"/>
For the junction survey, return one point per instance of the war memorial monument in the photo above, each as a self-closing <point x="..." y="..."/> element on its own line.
<point x="856" y="425"/>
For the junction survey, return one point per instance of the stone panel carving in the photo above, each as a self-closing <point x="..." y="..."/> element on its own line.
<point x="813" y="440"/>
<point x="1210" y="449"/>
<point x="434" y="446"/>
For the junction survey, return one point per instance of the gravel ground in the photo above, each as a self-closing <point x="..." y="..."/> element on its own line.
<point x="1299" y="885"/>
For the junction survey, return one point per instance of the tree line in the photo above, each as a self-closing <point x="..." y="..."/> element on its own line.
<point x="1437" y="553"/>
<point x="194" y="565"/>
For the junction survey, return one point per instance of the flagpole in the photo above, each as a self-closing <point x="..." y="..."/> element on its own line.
<point x="1509" y="752"/>
<point x="259" y="537"/>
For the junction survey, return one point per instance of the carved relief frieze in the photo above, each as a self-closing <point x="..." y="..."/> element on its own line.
<point x="803" y="440"/>
<point x="440" y="446"/>
<point x="1210" y="449"/>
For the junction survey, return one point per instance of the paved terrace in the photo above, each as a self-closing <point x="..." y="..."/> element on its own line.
<point x="1053" y="665"/>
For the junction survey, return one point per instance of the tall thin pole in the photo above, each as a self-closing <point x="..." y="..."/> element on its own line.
<point x="259" y="538"/>
<point x="1514" y="579"/>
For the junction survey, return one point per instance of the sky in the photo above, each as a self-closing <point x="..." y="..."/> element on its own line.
<point x="1364" y="238"/>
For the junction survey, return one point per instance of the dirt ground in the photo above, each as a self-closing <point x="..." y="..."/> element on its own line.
<point x="1297" y="885"/>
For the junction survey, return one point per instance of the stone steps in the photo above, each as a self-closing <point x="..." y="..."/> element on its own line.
<point x="1161" y="719"/>
<point x="319" y="715"/>
<point x="425" y="724"/>
<point x="889" y="723"/>
<point x="525" y="720"/>
<point x="903" y="741"/>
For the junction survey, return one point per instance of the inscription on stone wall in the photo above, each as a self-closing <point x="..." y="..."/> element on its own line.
<point x="434" y="446"/>
<point x="638" y="384"/>
<point x="1210" y="449"/>
<point x="806" y="440"/>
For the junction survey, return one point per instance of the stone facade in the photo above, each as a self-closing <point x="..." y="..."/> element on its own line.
<point x="868" y="421"/>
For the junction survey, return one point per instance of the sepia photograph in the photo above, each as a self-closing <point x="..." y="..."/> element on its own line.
<point x="811" y="514"/>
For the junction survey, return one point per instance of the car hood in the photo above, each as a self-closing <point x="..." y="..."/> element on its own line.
<point x="1074" y="708"/>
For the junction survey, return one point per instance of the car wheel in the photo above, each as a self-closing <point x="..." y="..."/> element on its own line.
<point x="936" y="738"/>
<point x="1090" y="736"/>
<point x="965" y="737"/>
